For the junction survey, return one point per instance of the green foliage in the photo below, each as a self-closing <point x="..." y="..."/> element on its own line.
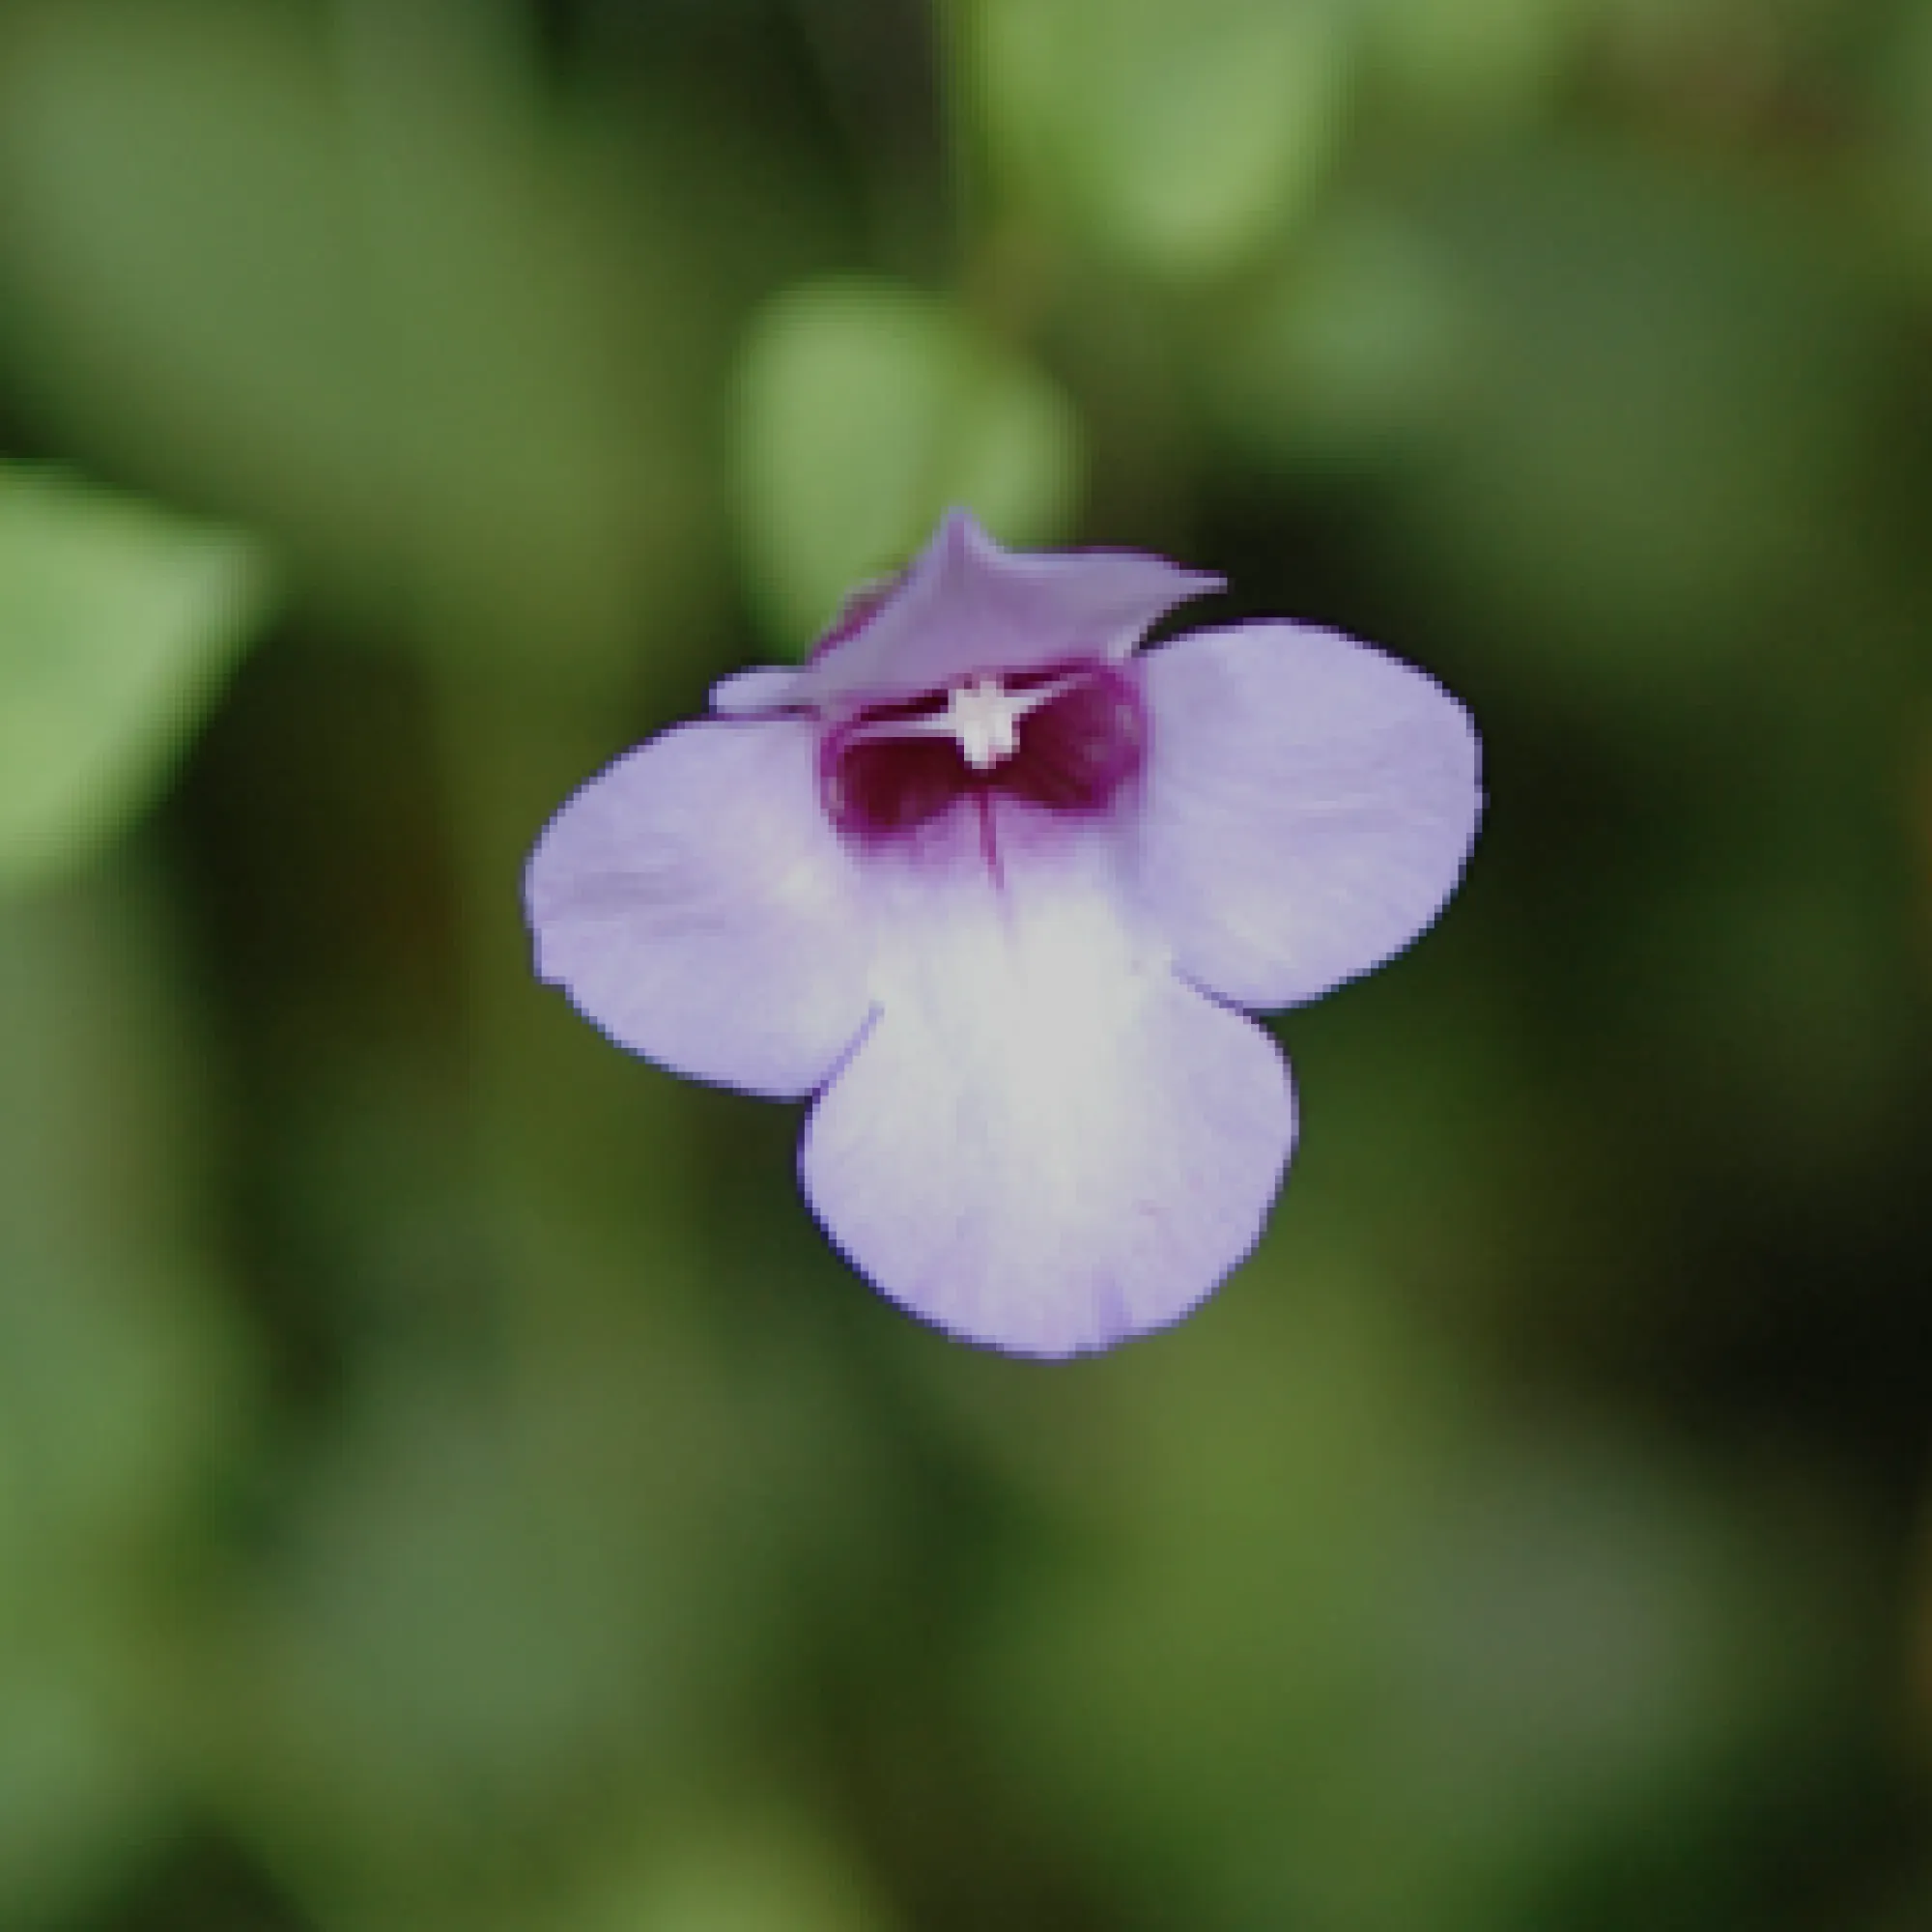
<point x="1482" y="63"/>
<point x="747" y="1864"/>
<point x="864" y="409"/>
<point x="1670" y="397"/>
<point x="445" y="1481"/>
<point x="1180" y="137"/>
<point x="118" y="623"/>
<point x="1351" y="1573"/>
<point x="122" y="1392"/>
<point x="1349" y="352"/>
<point x="348" y="284"/>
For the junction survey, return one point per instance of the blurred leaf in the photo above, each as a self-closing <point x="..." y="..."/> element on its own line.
<point x="182" y="246"/>
<point x="492" y="1602"/>
<point x="1481" y="62"/>
<point x="757" y="1866"/>
<point x="80" y="1800"/>
<point x="117" y="1364"/>
<point x="1350" y="351"/>
<point x="121" y="1395"/>
<point x="479" y="1604"/>
<point x="1327" y="1605"/>
<point x="354" y="288"/>
<point x="1659" y="454"/>
<point x="863" y="410"/>
<point x="117" y="622"/>
<point x="1905" y="125"/>
<point x="1178" y="133"/>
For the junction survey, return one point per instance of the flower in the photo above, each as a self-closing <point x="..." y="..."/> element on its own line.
<point x="996" y="890"/>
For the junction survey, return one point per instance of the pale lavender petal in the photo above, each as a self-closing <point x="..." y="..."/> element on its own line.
<point x="967" y="606"/>
<point x="1310" y="804"/>
<point x="695" y="904"/>
<point x="1045" y="1142"/>
<point x="747" y="692"/>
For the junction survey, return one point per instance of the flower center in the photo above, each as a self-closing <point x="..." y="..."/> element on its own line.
<point x="1065" y="740"/>
<point x="986" y="719"/>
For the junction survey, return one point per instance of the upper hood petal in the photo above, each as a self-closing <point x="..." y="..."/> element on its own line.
<point x="965" y="607"/>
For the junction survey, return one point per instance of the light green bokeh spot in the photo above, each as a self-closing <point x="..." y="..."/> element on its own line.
<point x="1177" y="136"/>
<point x="762" y="1864"/>
<point x="863" y="410"/>
<point x="1349" y="353"/>
<point x="1482" y="62"/>
<point x="117" y="622"/>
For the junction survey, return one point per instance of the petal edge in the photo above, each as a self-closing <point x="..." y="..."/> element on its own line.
<point x="1046" y="1143"/>
<point x="694" y="903"/>
<point x="1310" y="806"/>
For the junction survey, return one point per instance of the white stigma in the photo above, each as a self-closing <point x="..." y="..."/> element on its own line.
<point x="984" y="718"/>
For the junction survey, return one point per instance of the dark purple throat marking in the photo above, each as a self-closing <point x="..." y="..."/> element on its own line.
<point x="1065" y="740"/>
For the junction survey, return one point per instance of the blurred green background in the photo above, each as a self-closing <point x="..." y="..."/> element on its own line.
<point x="445" y="1481"/>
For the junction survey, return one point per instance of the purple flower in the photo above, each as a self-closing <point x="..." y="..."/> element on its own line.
<point x="995" y="890"/>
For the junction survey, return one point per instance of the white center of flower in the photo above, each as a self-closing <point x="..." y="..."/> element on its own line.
<point x="984" y="718"/>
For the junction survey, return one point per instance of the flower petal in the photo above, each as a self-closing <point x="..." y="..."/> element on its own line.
<point x="763" y="688"/>
<point x="967" y="606"/>
<point x="1310" y="804"/>
<point x="1045" y="1142"/>
<point x="694" y="903"/>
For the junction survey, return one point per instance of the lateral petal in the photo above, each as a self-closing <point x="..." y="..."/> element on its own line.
<point x="695" y="904"/>
<point x="1310" y="804"/>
